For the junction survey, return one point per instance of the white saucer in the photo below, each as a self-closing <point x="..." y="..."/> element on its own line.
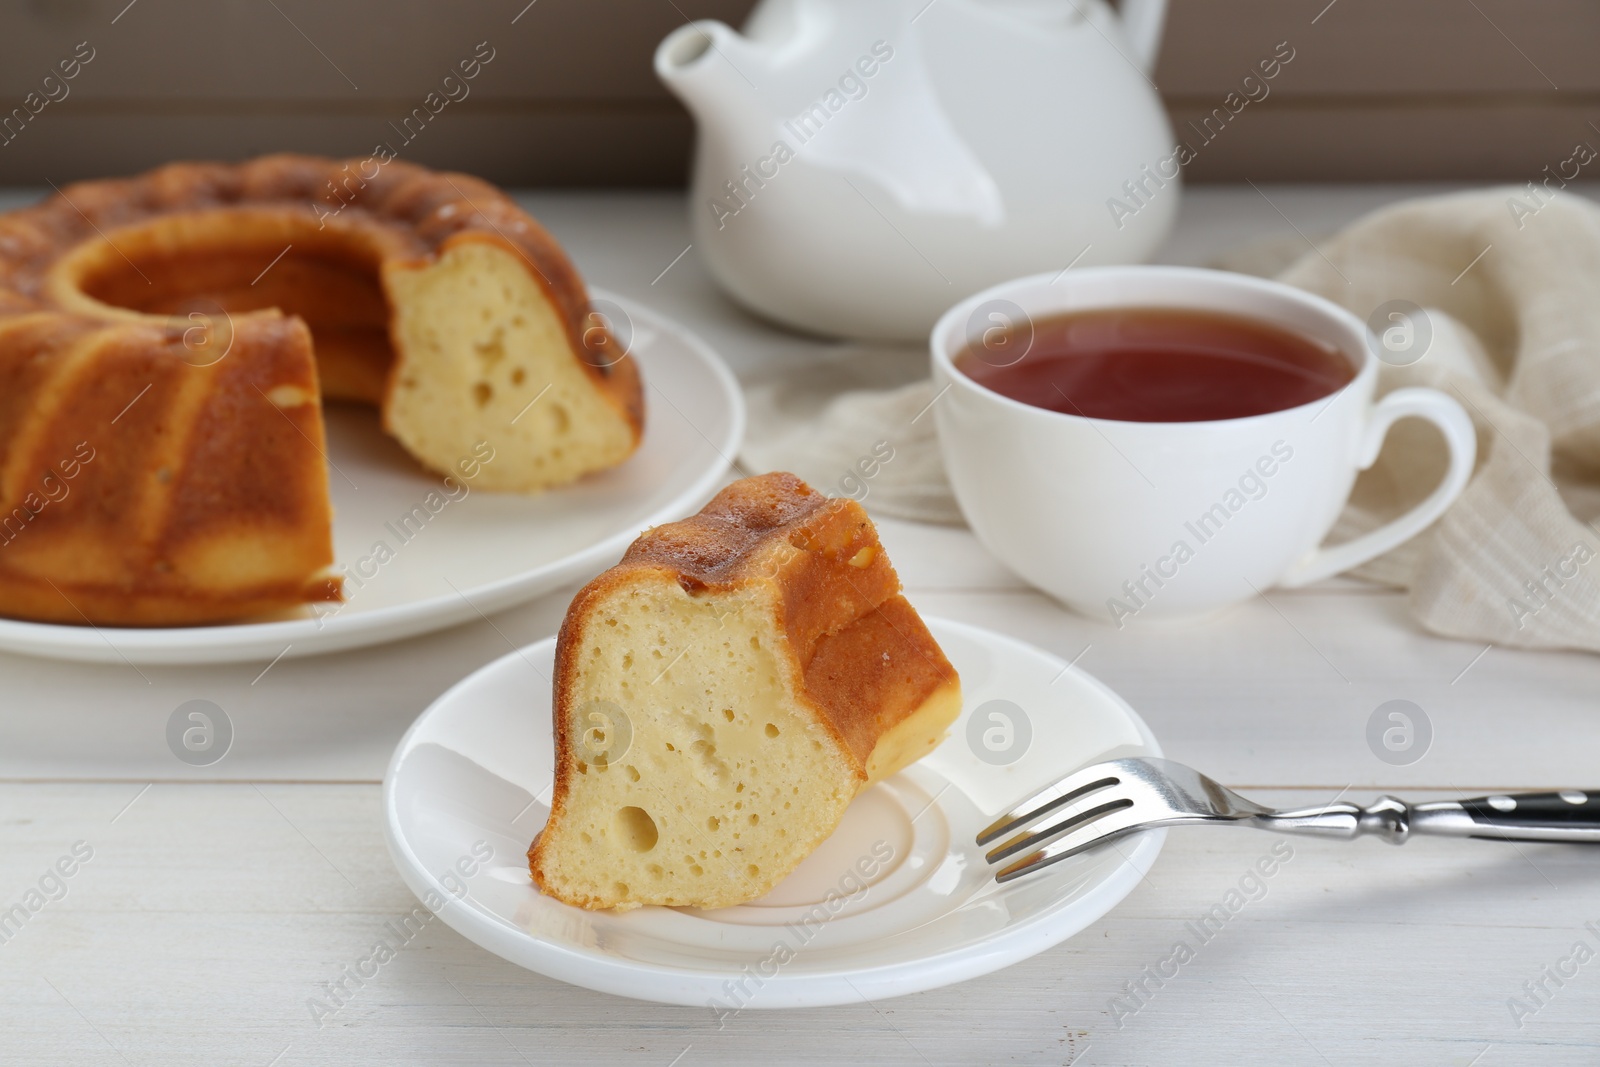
<point x="470" y="782"/>
<point x="481" y="552"/>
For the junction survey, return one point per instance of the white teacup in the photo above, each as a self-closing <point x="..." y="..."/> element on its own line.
<point x="1162" y="520"/>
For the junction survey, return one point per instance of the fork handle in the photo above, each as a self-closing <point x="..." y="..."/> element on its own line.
<point x="1569" y="815"/>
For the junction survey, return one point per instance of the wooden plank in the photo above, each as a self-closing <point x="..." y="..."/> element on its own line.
<point x="210" y="914"/>
<point x="566" y="49"/>
<point x="1286" y="686"/>
<point x="1276" y="692"/>
<point x="1355" y="48"/>
<point x="635" y="144"/>
<point x="345" y="50"/>
<point x="648" y="144"/>
<point x="1287" y="141"/>
<point x="1376" y="90"/>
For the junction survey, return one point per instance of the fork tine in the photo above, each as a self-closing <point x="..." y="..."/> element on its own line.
<point x="1079" y="840"/>
<point x="1032" y="839"/>
<point x="1057" y="794"/>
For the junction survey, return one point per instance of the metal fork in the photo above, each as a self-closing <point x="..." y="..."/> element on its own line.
<point x="1125" y="796"/>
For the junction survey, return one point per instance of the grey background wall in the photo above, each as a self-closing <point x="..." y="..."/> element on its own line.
<point x="1378" y="89"/>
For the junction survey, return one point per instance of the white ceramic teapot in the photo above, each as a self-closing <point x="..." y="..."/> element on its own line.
<point x="864" y="164"/>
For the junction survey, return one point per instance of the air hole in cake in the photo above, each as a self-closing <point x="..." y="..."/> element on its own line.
<point x="563" y="421"/>
<point x="493" y="350"/>
<point x="519" y="376"/>
<point x="621" y="888"/>
<point x="583" y="768"/>
<point x="753" y="871"/>
<point x="772" y="731"/>
<point x="482" y="393"/>
<point x="637" y="829"/>
<point x="633" y="773"/>
<point x="727" y="713"/>
<point x="712" y="822"/>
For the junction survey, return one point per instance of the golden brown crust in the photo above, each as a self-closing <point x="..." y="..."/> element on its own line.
<point x="356" y="209"/>
<point x="872" y="674"/>
<point x="123" y="464"/>
<point x="866" y="658"/>
<point x="96" y="283"/>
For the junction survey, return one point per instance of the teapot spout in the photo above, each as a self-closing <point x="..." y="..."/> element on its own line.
<point x="708" y="65"/>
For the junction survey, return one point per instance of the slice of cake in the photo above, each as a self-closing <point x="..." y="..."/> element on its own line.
<point x="724" y="692"/>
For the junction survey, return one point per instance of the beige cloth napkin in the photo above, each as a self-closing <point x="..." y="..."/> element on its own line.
<point x="855" y="423"/>
<point x="1510" y="284"/>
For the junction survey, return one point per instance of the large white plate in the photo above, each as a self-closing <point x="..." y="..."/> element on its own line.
<point x="470" y="783"/>
<point x="480" y="552"/>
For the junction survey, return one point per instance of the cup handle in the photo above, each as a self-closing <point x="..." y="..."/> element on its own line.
<point x="1462" y="440"/>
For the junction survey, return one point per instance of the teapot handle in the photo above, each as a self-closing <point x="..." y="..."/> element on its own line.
<point x="1142" y="23"/>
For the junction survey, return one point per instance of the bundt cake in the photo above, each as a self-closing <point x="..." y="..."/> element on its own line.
<point x="723" y="693"/>
<point x="170" y="337"/>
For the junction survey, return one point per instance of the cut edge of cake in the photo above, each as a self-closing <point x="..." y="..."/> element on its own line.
<point x="484" y="356"/>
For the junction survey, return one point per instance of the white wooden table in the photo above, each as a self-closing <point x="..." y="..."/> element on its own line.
<point x="218" y="901"/>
